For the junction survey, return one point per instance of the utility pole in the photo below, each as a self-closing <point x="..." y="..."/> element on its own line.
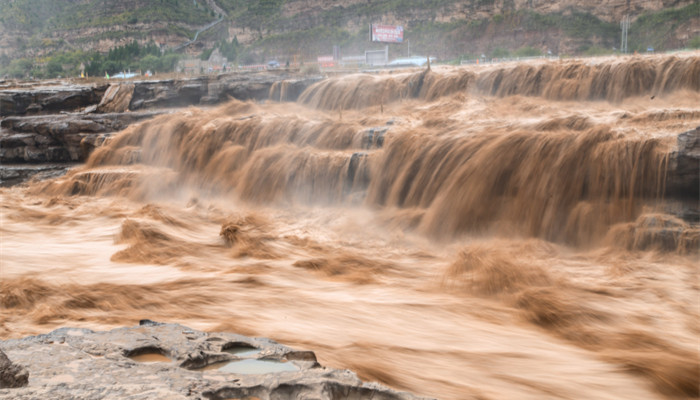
<point x="625" y="25"/>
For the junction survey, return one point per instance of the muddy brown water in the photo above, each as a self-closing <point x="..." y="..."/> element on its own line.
<point x="150" y="358"/>
<point x="501" y="239"/>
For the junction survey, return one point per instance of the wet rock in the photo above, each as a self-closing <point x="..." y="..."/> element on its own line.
<point x="63" y="124"/>
<point x="60" y="138"/>
<point x="135" y="95"/>
<point x="29" y="135"/>
<point x="49" y="99"/>
<point x="116" y="99"/>
<point x="172" y="361"/>
<point x="684" y="166"/>
<point x="12" y="375"/>
<point x="218" y="88"/>
<point x="14" y="174"/>
<point x="355" y="180"/>
<point x="374" y="137"/>
<point x="167" y="93"/>
<point x="290" y="89"/>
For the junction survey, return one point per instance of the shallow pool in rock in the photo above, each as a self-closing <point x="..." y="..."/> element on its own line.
<point x="241" y="351"/>
<point x="252" y="367"/>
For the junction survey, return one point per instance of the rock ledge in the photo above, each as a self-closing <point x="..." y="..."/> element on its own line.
<point x="159" y="361"/>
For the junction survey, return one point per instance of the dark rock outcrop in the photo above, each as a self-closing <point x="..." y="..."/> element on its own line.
<point x="218" y="88"/>
<point x="168" y="93"/>
<point x="48" y="100"/>
<point x="60" y="138"/>
<point x="29" y="135"/>
<point x="12" y="375"/>
<point x="143" y="94"/>
<point x="684" y="167"/>
<point x="175" y="362"/>
<point x="14" y="174"/>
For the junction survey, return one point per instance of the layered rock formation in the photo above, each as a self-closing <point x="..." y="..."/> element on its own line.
<point x="48" y="99"/>
<point x="60" y="138"/>
<point x="64" y="123"/>
<point x="137" y="95"/>
<point x="172" y="361"/>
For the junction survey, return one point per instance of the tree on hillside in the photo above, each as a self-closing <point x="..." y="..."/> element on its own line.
<point x="263" y="13"/>
<point x="54" y="67"/>
<point x="150" y="63"/>
<point x="229" y="49"/>
<point x="20" y="68"/>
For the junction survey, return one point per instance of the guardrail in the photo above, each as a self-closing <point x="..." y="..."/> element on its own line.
<point x="473" y="61"/>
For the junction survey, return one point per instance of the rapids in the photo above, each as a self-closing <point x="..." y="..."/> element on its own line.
<point x="464" y="233"/>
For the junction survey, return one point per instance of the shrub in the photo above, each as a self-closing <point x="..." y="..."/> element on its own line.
<point x="19" y="68"/>
<point x="527" y="51"/>
<point x="149" y="62"/>
<point x="694" y="43"/>
<point x="500" y="52"/>
<point x="54" y="67"/>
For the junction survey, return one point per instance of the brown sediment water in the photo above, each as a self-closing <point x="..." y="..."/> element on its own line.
<point x="481" y="232"/>
<point x="150" y="358"/>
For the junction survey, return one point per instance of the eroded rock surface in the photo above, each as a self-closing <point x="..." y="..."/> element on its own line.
<point x="172" y="361"/>
<point x="57" y="122"/>
<point x="14" y="174"/>
<point x="60" y="138"/>
<point x="12" y="375"/>
<point x="49" y="99"/>
<point x="153" y="93"/>
<point x="684" y="166"/>
<point x="116" y="99"/>
<point x="218" y="88"/>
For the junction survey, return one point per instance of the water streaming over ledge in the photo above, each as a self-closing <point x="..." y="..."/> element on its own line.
<point x="459" y="233"/>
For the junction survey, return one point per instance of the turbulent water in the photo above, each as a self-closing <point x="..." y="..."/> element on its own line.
<point x="492" y="232"/>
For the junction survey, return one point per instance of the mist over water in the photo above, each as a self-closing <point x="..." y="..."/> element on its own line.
<point x="491" y="232"/>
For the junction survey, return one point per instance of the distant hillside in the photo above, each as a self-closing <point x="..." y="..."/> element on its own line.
<point x="38" y="31"/>
<point x="454" y="28"/>
<point x="40" y="26"/>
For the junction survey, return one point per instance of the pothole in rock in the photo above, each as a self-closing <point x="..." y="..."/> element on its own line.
<point x="252" y="367"/>
<point x="240" y="349"/>
<point x="150" y="354"/>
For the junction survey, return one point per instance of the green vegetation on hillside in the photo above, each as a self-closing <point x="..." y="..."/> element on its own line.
<point x="656" y="29"/>
<point x="694" y="43"/>
<point x="35" y="16"/>
<point x="29" y="15"/>
<point x="131" y="56"/>
<point x="277" y="34"/>
<point x="103" y="13"/>
<point x="508" y="34"/>
<point x="33" y="24"/>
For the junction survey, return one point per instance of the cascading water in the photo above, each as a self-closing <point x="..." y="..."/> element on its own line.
<point x="459" y="233"/>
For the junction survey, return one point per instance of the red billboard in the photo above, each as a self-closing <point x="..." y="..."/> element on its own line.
<point x="386" y="33"/>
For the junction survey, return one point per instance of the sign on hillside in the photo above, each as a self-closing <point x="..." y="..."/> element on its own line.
<point x="386" y="33"/>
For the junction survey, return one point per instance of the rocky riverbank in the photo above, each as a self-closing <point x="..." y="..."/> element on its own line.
<point x="171" y="361"/>
<point x="56" y="97"/>
<point x="64" y="123"/>
<point x="61" y="122"/>
<point x="61" y="138"/>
